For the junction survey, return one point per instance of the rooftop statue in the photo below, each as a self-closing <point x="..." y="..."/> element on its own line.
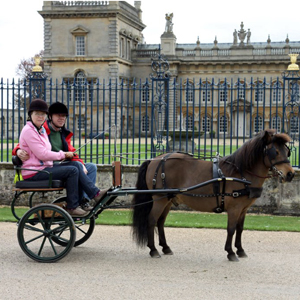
<point x="235" y="37"/>
<point x="169" y="24"/>
<point x="248" y="36"/>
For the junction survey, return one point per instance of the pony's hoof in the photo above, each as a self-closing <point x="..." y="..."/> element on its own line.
<point x="154" y="254"/>
<point x="167" y="251"/>
<point x="232" y="257"/>
<point x="242" y="254"/>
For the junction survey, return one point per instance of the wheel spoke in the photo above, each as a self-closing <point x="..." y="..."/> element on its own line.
<point x="40" y="219"/>
<point x="40" y="230"/>
<point x="52" y="246"/>
<point x="79" y="228"/>
<point x="42" y="246"/>
<point x="59" y="238"/>
<point x="33" y="228"/>
<point x="34" y="239"/>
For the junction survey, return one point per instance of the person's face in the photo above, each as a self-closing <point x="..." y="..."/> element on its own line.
<point x="38" y="118"/>
<point x="59" y="119"/>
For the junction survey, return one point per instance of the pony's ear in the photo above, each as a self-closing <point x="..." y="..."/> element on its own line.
<point x="268" y="134"/>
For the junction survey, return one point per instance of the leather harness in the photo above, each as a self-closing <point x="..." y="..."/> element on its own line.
<point x="251" y="192"/>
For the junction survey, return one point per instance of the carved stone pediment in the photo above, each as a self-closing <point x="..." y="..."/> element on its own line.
<point x="79" y="30"/>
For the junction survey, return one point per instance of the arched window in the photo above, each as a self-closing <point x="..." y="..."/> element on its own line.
<point x="294" y="125"/>
<point x="240" y="87"/>
<point x="223" y="124"/>
<point x="258" y="91"/>
<point x="223" y="91"/>
<point x="188" y="123"/>
<point x="276" y="124"/>
<point x="145" y="123"/>
<point x="189" y="91"/>
<point x="145" y="93"/>
<point x="206" y="91"/>
<point x="258" y="124"/>
<point x="80" y="86"/>
<point x="206" y="124"/>
<point x="276" y="92"/>
<point x="81" y="122"/>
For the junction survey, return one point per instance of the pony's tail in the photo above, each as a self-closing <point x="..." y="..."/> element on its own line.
<point x="142" y="206"/>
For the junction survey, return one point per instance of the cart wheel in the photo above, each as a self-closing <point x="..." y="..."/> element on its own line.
<point x="42" y="225"/>
<point x="84" y="230"/>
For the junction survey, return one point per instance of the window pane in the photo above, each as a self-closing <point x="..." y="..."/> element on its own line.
<point x="81" y="122"/>
<point x="206" y="124"/>
<point x="276" y="97"/>
<point x="188" y="122"/>
<point x="80" y="45"/>
<point x="223" y="124"/>
<point x="276" y="124"/>
<point x="145" y="93"/>
<point x="258" y="124"/>
<point x="80" y="87"/>
<point x="294" y="125"/>
<point x="145" y="123"/>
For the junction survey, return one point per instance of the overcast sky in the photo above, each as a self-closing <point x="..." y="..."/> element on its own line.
<point x="21" y="26"/>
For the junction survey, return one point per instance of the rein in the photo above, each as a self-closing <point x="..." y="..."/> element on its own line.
<point x="258" y="176"/>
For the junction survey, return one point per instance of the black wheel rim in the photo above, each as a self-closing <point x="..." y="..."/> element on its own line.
<point x="40" y="227"/>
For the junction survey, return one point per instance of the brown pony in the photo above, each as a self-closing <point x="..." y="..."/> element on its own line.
<point x="249" y="165"/>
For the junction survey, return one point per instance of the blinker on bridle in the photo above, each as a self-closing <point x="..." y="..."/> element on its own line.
<point x="271" y="153"/>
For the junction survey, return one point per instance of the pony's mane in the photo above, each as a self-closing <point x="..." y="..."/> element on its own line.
<point x="251" y="152"/>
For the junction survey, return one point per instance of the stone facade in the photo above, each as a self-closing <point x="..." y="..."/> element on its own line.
<point x="99" y="39"/>
<point x="276" y="198"/>
<point x="108" y="32"/>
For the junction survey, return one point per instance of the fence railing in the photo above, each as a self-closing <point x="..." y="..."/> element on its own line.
<point x="201" y="117"/>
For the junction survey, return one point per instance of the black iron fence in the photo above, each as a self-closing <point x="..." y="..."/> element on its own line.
<point x="135" y="120"/>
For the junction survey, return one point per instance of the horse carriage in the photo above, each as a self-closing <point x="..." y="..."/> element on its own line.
<point x="47" y="233"/>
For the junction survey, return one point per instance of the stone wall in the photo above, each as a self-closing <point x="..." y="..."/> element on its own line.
<point x="276" y="198"/>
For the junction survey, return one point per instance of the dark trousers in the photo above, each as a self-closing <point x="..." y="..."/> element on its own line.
<point x="76" y="182"/>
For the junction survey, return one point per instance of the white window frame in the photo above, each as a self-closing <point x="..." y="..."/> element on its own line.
<point x="294" y="125"/>
<point x="80" y="40"/>
<point x="145" y="93"/>
<point x="276" y="92"/>
<point x="223" y="128"/>
<point x="258" y="124"/>
<point x="206" y="120"/>
<point x="80" y="45"/>
<point x="145" y="124"/>
<point x="276" y="123"/>
<point x="189" y="120"/>
<point x="81" y="122"/>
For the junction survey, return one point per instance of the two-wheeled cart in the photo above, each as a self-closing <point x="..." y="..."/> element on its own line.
<point x="47" y="232"/>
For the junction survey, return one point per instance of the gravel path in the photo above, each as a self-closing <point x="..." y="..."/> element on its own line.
<point x="110" y="266"/>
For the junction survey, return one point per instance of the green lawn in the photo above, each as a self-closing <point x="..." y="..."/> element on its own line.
<point x="135" y="154"/>
<point x="187" y="220"/>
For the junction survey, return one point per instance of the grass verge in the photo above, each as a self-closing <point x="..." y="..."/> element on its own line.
<point x="187" y="220"/>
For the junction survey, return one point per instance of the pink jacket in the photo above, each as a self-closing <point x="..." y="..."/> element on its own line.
<point x="39" y="149"/>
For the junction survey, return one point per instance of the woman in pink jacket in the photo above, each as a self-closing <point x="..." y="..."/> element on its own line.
<point x="35" y="141"/>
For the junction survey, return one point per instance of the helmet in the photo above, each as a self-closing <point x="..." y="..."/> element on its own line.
<point x="38" y="105"/>
<point x="58" y="108"/>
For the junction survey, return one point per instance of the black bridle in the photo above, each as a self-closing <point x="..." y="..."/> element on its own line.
<point x="271" y="153"/>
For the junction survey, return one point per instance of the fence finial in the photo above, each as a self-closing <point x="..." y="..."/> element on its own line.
<point x="293" y="66"/>
<point x="37" y="67"/>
